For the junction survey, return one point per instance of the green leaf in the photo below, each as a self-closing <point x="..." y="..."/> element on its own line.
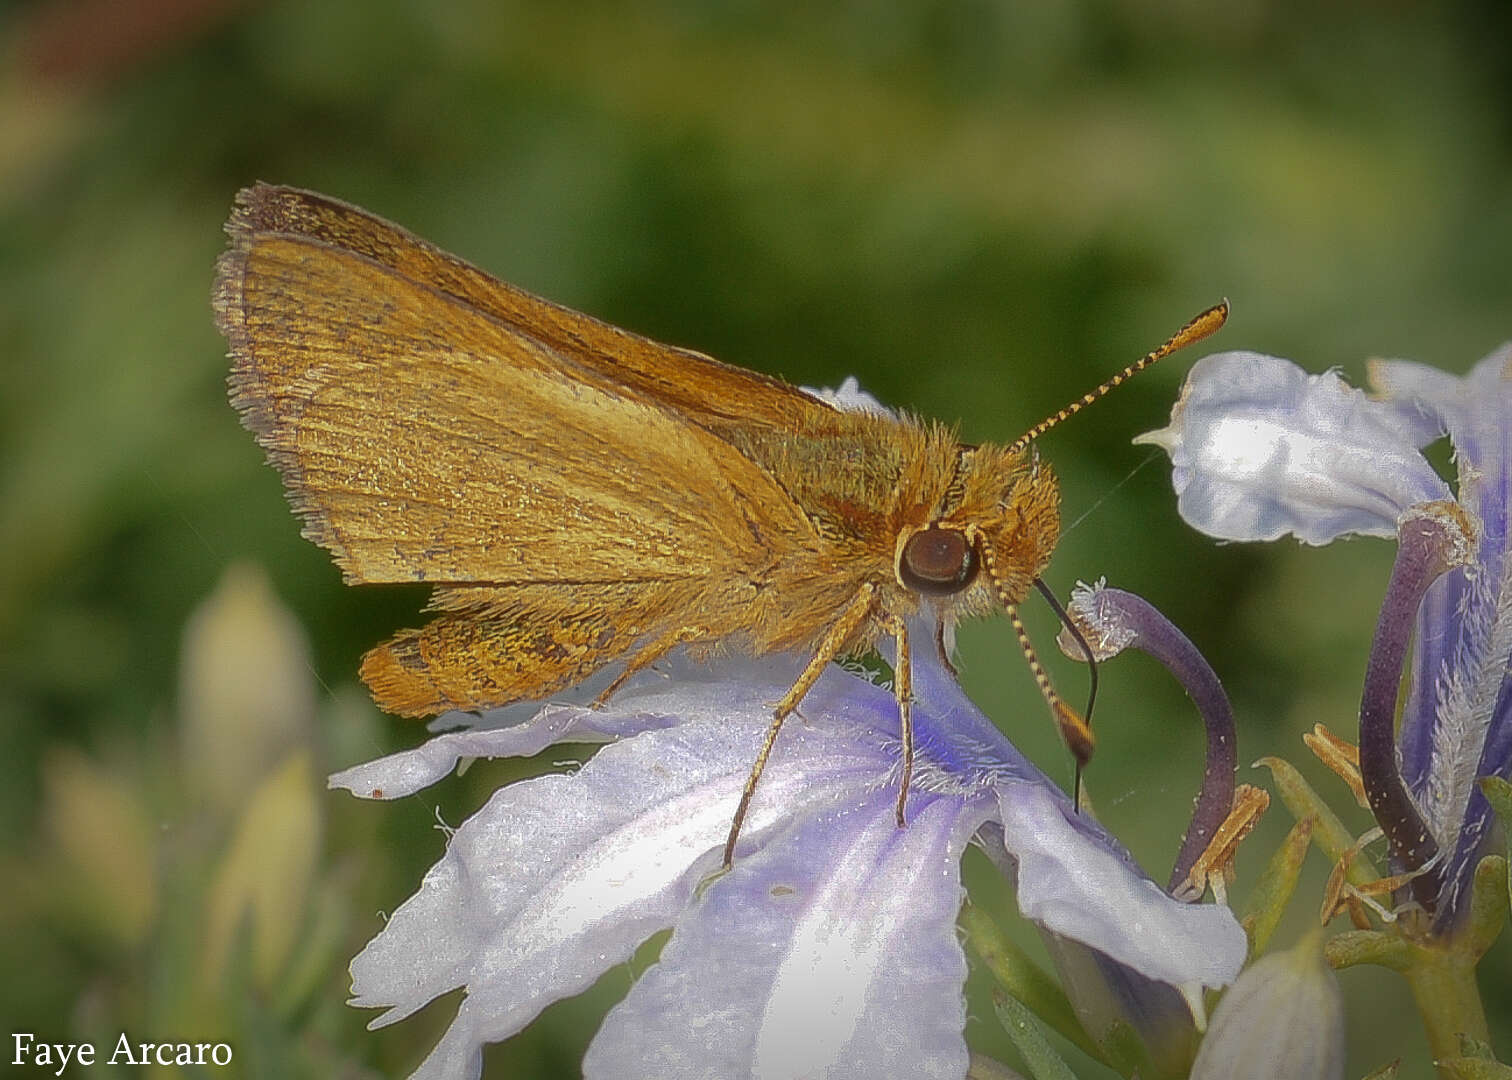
<point x="1472" y="1068"/>
<point x="1498" y="793"/>
<point x="1022" y="978"/>
<point x="1127" y="1051"/>
<point x="1025" y="1031"/>
<point x="1274" y="889"/>
<point x="1489" y="905"/>
<point x="1329" y="833"/>
<point x="982" y="1067"/>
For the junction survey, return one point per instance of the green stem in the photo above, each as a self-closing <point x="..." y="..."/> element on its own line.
<point x="1443" y="984"/>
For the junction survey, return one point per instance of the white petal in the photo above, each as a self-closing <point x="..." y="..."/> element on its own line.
<point x="1454" y="404"/>
<point x="1424" y="398"/>
<point x="849" y="397"/>
<point x="1259" y="449"/>
<point x="561" y="877"/>
<point x="404" y="773"/>
<point x="831" y="953"/>
<point x="1474" y="410"/>
<point x="678" y="691"/>
<point x="1081" y="889"/>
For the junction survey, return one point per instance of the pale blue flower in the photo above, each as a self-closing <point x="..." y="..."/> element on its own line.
<point x="1260" y="448"/>
<point x="830" y="949"/>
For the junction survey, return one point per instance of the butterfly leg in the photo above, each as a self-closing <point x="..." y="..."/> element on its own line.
<point x="903" y="691"/>
<point x="834" y="641"/>
<point x="943" y="652"/>
<point x="649" y="654"/>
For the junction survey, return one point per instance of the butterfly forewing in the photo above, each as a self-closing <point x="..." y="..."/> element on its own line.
<point x="422" y="438"/>
<point x="689" y="382"/>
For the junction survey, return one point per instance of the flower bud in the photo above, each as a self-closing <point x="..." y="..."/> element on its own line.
<point x="1284" y="1017"/>
<point x="262" y="886"/>
<point x="246" y="693"/>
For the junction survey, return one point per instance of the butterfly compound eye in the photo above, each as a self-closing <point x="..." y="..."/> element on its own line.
<point x="937" y="561"/>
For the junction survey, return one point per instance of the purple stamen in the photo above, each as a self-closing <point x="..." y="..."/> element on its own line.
<point x="1433" y="538"/>
<point x="1119" y="620"/>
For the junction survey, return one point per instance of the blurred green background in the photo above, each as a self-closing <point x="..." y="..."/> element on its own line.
<point x="980" y="209"/>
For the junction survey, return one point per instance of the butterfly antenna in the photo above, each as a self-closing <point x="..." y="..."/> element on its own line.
<point x="1073" y="729"/>
<point x="1204" y="325"/>
<point x="1081" y="642"/>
